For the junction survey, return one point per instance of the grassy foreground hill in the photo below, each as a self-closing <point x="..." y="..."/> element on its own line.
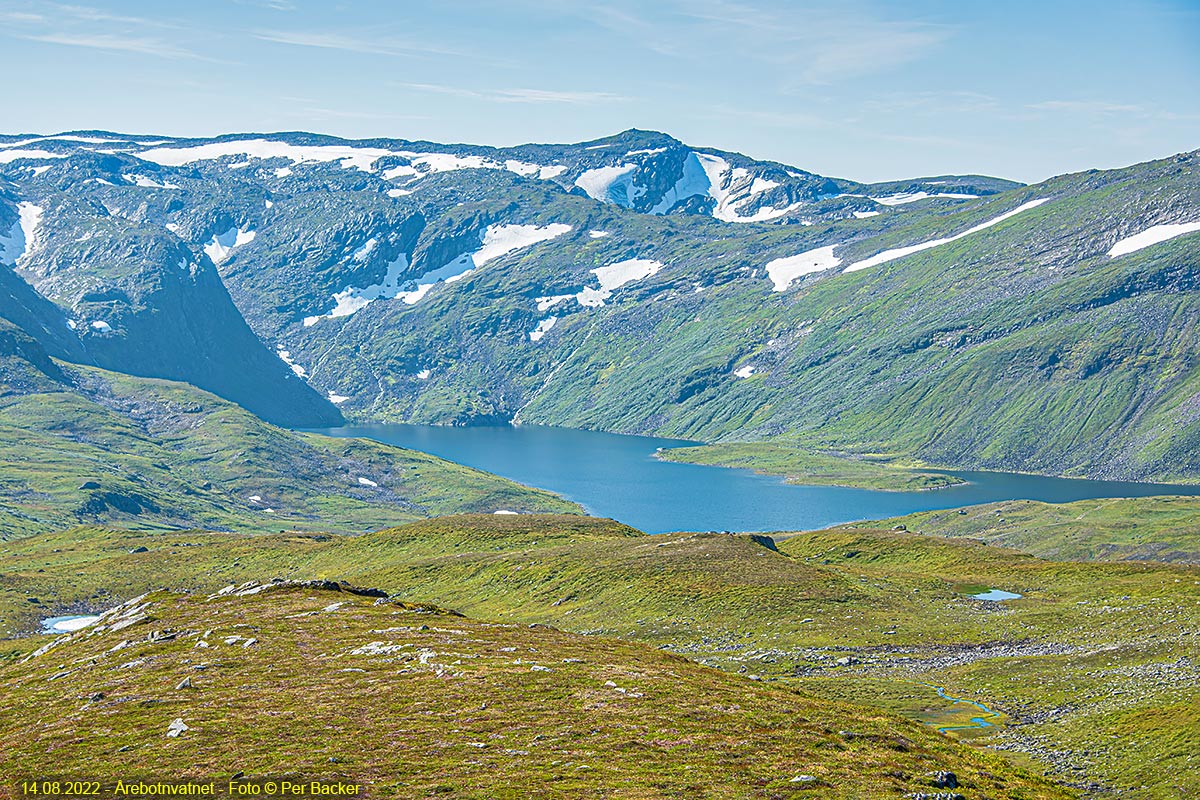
<point x="1090" y="673"/>
<point x="410" y="701"/>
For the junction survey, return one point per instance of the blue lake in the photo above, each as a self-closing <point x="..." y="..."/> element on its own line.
<point x="618" y="476"/>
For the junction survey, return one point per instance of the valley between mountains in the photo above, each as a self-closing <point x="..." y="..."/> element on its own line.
<point x="175" y="313"/>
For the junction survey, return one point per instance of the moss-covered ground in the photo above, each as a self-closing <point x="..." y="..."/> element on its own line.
<point x="412" y="702"/>
<point x="1084" y="670"/>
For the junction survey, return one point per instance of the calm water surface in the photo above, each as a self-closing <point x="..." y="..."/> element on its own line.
<point x="617" y="476"/>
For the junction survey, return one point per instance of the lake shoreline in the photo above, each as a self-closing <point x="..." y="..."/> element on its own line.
<point x="622" y="477"/>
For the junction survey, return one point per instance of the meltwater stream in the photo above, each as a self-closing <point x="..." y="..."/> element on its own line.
<point x="618" y="476"/>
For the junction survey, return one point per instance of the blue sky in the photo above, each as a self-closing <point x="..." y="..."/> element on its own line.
<point x="863" y="90"/>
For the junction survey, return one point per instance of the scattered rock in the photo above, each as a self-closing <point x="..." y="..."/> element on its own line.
<point x="89" y="485"/>
<point x="803" y="779"/>
<point x="176" y="727"/>
<point x="140" y="549"/>
<point x="944" y="780"/>
<point x="900" y="528"/>
<point x="186" y="683"/>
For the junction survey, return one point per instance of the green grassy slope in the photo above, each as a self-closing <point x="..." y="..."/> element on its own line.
<point x="1090" y="651"/>
<point x="873" y="471"/>
<point x="410" y="702"/>
<point x="1110" y="529"/>
<point x="99" y="446"/>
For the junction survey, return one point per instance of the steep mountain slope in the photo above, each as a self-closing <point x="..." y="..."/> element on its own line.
<point x="408" y="700"/>
<point x="958" y="320"/>
<point x="134" y="299"/>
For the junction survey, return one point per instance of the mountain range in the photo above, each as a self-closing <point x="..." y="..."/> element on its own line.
<point x="631" y="284"/>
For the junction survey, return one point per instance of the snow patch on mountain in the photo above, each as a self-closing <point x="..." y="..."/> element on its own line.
<point x="21" y="237"/>
<point x="526" y="170"/>
<point x="611" y="184"/>
<point x="355" y="298"/>
<point x="912" y="197"/>
<point x="695" y="180"/>
<point x="500" y="240"/>
<point x="496" y="241"/>
<point x="766" y="213"/>
<point x="900" y="252"/>
<point x="614" y="276"/>
<point x="349" y="157"/>
<point x="598" y="234"/>
<point x="865" y="214"/>
<point x="148" y="183"/>
<point x="364" y="252"/>
<point x="1153" y="235"/>
<point x="286" y="357"/>
<point x="421" y="164"/>
<point x="335" y="398"/>
<point x="9" y="156"/>
<point x="782" y="271"/>
<point x="733" y="187"/>
<point x="744" y="372"/>
<point x="549" y="302"/>
<point x="542" y="327"/>
<point x="221" y="245"/>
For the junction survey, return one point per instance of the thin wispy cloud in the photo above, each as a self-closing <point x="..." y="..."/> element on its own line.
<point x="810" y="44"/>
<point x="1087" y="106"/>
<point x="274" y="5"/>
<point x="21" y="17"/>
<point x="519" y="95"/>
<point x="374" y="45"/>
<point x="115" y="43"/>
<point x="90" y="14"/>
<point x="929" y="102"/>
<point x="821" y="43"/>
<point x="96" y="29"/>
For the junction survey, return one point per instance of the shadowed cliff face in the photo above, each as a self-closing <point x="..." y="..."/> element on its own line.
<point x="133" y="299"/>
